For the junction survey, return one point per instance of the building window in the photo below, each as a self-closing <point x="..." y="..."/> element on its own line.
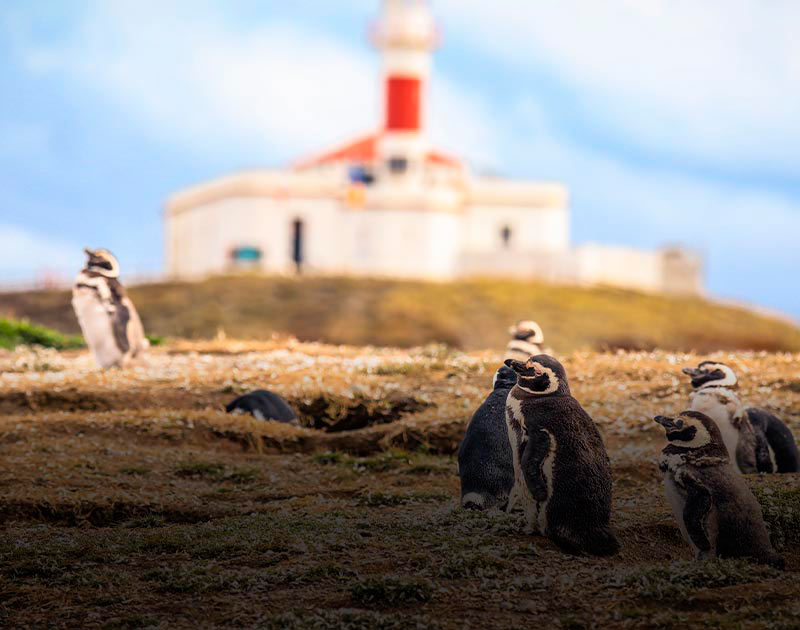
<point x="398" y="164"/>
<point x="297" y="244"/>
<point x="246" y="256"/>
<point x="361" y="175"/>
<point x="505" y="236"/>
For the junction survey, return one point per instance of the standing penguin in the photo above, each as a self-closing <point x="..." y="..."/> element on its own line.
<point x="564" y="464"/>
<point x="526" y="340"/>
<point x="262" y="405"/>
<point x="484" y="458"/>
<point x="108" y="319"/>
<point x="753" y="436"/>
<point x="716" y="511"/>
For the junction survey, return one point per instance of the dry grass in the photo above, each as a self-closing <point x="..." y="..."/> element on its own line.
<point x="129" y="499"/>
<point x="468" y="314"/>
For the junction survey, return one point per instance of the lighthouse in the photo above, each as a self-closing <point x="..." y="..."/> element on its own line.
<point x="406" y="34"/>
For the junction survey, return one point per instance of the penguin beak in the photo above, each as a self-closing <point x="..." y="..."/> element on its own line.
<point x="517" y="366"/>
<point x="665" y="421"/>
<point x="690" y="371"/>
<point x="88" y="251"/>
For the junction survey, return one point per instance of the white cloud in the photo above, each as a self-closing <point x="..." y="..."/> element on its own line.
<point x="25" y="254"/>
<point x="187" y="77"/>
<point x="714" y="81"/>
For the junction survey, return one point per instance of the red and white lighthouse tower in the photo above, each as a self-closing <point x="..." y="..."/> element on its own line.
<point x="406" y="35"/>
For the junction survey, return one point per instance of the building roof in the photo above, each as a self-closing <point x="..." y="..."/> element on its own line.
<point x="365" y="149"/>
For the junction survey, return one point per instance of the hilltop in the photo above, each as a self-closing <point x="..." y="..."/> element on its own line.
<point x="470" y="314"/>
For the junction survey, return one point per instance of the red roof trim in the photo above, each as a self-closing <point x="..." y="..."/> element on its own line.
<point x="361" y="150"/>
<point x="365" y="150"/>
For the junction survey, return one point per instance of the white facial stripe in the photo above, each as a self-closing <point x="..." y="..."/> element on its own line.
<point x="729" y="380"/>
<point x="553" y="383"/>
<point x="701" y="437"/>
<point x="536" y="334"/>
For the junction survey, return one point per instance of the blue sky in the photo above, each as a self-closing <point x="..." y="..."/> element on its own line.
<point x="669" y="120"/>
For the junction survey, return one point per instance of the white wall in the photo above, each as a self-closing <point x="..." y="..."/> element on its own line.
<point x="404" y="243"/>
<point x="532" y="229"/>
<point x="200" y="239"/>
<point x="619" y="266"/>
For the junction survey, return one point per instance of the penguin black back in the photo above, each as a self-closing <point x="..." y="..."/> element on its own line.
<point x="564" y="462"/>
<point x="263" y="405"/>
<point x="779" y="438"/>
<point x="484" y="456"/>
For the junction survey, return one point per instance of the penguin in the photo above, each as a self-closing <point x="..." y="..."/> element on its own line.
<point x="484" y="457"/>
<point x="717" y="513"/>
<point x="262" y="405"/>
<point x="756" y="439"/>
<point x="107" y="317"/>
<point x="563" y="473"/>
<point x="526" y="340"/>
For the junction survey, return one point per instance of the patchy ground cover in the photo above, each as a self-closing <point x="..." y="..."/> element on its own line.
<point x="128" y="499"/>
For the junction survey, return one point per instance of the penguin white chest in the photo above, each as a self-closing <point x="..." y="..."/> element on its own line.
<point x="515" y="424"/>
<point x="96" y="327"/>
<point x="722" y="416"/>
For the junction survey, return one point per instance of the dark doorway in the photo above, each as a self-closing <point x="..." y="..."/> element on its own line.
<point x="297" y="244"/>
<point x="505" y="236"/>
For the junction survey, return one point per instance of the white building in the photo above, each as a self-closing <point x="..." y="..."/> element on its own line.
<point x="390" y="204"/>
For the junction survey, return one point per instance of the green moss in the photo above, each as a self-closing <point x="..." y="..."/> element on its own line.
<point x="681" y="580"/>
<point x="15" y="333"/>
<point x="345" y="619"/>
<point x="781" y="510"/>
<point x="211" y="471"/>
<point x="472" y="565"/>
<point x="379" y="499"/>
<point x="391" y="590"/>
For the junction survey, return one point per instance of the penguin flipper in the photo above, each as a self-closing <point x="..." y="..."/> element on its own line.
<point x="536" y="451"/>
<point x="119" y="324"/>
<point x="696" y="513"/>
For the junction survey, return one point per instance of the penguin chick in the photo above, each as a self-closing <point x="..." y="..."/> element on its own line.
<point x="716" y="511"/>
<point x="563" y="464"/>
<point x="262" y="405"/>
<point x="526" y="340"/>
<point x="107" y="317"/>
<point x="484" y="457"/>
<point x="754" y="437"/>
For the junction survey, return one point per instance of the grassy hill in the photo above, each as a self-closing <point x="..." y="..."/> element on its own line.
<point x="469" y="314"/>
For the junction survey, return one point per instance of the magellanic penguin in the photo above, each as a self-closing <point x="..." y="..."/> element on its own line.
<point x="563" y="462"/>
<point x="484" y="458"/>
<point x="109" y="321"/>
<point x="526" y="340"/>
<point x="716" y="511"/>
<point x="754" y="437"/>
<point x="262" y="405"/>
